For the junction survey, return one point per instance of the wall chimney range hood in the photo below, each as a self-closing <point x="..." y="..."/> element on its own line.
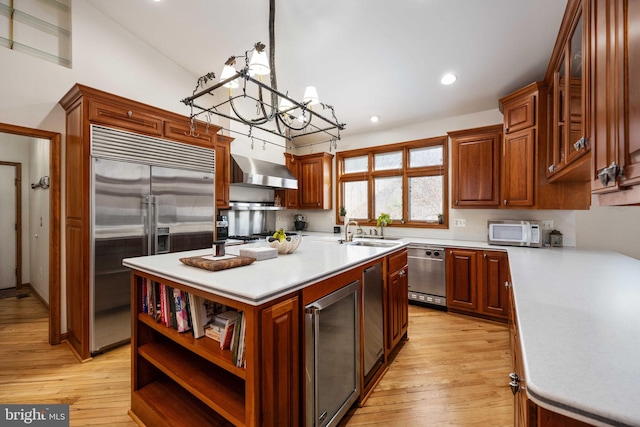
<point x="259" y="173"/>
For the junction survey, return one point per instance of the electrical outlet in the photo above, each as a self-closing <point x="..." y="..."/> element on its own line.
<point x="547" y="225"/>
<point x="459" y="222"/>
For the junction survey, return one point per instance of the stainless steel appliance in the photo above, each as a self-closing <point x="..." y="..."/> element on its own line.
<point x="332" y="356"/>
<point x="515" y="233"/>
<point x="149" y="196"/>
<point x="373" y="318"/>
<point x="299" y="223"/>
<point x="427" y="275"/>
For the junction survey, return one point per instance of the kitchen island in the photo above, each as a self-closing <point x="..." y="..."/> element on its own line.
<point x="180" y="380"/>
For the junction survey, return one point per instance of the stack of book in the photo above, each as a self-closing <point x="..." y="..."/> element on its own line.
<point x="185" y="312"/>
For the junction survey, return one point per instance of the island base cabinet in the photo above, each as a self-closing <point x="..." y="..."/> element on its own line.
<point x="281" y="365"/>
<point x="397" y="299"/>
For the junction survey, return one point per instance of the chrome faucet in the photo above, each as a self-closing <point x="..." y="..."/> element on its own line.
<point x="347" y="223"/>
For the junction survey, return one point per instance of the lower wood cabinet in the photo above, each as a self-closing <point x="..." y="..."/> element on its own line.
<point x="476" y="282"/>
<point x="280" y="360"/>
<point x="397" y="299"/>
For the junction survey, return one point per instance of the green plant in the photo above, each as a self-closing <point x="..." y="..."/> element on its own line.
<point x="343" y="211"/>
<point x="384" y="220"/>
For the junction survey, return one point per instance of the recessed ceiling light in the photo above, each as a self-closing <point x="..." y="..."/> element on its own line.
<point x="374" y="119"/>
<point x="448" y="78"/>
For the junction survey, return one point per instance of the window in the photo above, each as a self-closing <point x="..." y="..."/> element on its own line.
<point x="408" y="181"/>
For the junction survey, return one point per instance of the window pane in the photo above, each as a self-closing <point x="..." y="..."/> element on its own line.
<point x="425" y="198"/>
<point x="388" y="197"/>
<point x="356" y="201"/>
<point x="356" y="164"/>
<point x="427" y="156"/>
<point x="386" y="161"/>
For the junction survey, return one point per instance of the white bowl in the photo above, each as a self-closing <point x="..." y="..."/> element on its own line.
<point x="288" y="245"/>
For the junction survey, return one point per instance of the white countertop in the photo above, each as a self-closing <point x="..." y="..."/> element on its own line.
<point x="316" y="259"/>
<point x="578" y="313"/>
<point x="579" y="321"/>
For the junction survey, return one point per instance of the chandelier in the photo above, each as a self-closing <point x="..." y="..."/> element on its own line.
<point x="271" y="110"/>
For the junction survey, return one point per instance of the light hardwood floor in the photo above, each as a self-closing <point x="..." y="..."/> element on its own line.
<point x="452" y="372"/>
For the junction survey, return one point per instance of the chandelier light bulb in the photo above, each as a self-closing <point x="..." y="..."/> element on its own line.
<point x="259" y="63"/>
<point x="311" y="96"/>
<point x="229" y="71"/>
<point x="285" y="104"/>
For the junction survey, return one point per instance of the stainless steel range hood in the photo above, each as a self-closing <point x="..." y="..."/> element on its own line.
<point x="253" y="172"/>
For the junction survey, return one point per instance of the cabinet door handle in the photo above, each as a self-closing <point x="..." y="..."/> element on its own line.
<point x="506" y="202"/>
<point x="506" y="285"/>
<point x="456" y="203"/>
<point x="484" y="256"/>
<point x="129" y="113"/>
<point x="515" y="387"/>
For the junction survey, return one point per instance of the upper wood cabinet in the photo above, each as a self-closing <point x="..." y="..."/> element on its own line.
<point x="524" y="182"/>
<point x="476" y="167"/>
<point x="568" y="148"/>
<point x="223" y="170"/>
<point x="314" y="181"/>
<point x="314" y="173"/>
<point x="615" y="100"/>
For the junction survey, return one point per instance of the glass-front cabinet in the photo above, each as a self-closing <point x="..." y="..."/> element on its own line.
<point x="568" y="141"/>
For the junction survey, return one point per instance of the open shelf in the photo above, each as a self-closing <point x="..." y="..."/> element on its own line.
<point x="204" y="346"/>
<point x="164" y="402"/>
<point x="218" y="389"/>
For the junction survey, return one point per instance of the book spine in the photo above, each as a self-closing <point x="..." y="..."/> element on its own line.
<point x="145" y="296"/>
<point x="180" y="314"/>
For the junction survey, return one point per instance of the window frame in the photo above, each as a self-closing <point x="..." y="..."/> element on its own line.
<point x="405" y="171"/>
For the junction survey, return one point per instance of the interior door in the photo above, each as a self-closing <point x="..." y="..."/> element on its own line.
<point x="8" y="227"/>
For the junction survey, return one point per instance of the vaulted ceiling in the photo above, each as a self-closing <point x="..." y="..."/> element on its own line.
<point x="366" y="57"/>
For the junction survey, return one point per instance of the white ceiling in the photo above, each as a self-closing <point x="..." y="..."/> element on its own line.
<point x="365" y="57"/>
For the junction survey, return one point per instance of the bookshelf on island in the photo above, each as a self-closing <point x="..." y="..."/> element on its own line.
<point x="178" y="379"/>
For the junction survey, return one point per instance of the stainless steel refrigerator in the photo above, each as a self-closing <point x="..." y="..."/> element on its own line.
<point x="141" y="206"/>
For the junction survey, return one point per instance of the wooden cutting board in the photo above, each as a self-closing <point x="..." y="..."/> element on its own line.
<point x="217" y="264"/>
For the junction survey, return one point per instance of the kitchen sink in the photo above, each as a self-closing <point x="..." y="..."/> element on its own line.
<point x="376" y="244"/>
<point x="368" y="236"/>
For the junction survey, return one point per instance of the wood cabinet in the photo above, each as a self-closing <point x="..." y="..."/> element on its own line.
<point x="314" y="174"/>
<point x="614" y="66"/>
<point x="568" y="149"/>
<point x="223" y="170"/>
<point x="397" y="319"/>
<point x="493" y="296"/>
<point x="462" y="279"/>
<point x="315" y="181"/>
<point x="85" y="106"/>
<point x="476" y="282"/>
<point x="280" y="364"/>
<point x="290" y="198"/>
<point x="476" y="156"/>
<point x="524" y="181"/>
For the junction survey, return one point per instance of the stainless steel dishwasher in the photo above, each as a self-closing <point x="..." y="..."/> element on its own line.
<point x="427" y="275"/>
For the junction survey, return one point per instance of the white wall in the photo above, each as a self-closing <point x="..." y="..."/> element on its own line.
<point x="15" y="149"/>
<point x="38" y="236"/>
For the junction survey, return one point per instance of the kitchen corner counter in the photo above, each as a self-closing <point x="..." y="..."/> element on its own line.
<point x="579" y="326"/>
<point x="262" y="281"/>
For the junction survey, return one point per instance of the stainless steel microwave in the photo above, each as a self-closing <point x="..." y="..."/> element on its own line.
<point x="515" y="233"/>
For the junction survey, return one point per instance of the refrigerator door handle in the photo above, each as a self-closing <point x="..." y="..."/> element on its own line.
<point x="153" y="225"/>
